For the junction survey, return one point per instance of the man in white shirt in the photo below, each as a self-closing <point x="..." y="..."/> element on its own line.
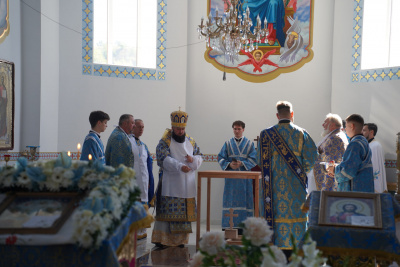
<point x="378" y="161"/>
<point x="178" y="157"/>
<point x="143" y="166"/>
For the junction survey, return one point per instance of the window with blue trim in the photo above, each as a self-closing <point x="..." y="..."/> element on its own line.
<point x="377" y="36"/>
<point x="381" y="34"/>
<point x="124" y="38"/>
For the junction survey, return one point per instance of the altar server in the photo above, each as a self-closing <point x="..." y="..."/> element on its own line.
<point x="355" y="172"/>
<point x="378" y="161"/>
<point x="178" y="157"/>
<point x="237" y="154"/>
<point x="93" y="144"/>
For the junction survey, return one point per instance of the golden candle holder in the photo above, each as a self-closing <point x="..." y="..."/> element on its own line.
<point x="7" y="159"/>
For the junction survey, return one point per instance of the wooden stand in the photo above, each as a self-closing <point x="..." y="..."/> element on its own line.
<point x="222" y="174"/>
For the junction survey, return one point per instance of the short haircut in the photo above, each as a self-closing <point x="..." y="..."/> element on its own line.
<point x="344" y="124"/>
<point x="357" y="120"/>
<point x="96" y="116"/>
<point x="335" y="118"/>
<point x="284" y="108"/>
<point x="124" y="118"/>
<point x="372" y="127"/>
<point x="239" y="123"/>
<point x="136" y="120"/>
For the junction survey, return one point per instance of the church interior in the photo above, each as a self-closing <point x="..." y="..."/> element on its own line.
<point x="54" y="92"/>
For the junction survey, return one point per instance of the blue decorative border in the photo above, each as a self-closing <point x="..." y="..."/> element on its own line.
<point x="89" y="68"/>
<point x="370" y="75"/>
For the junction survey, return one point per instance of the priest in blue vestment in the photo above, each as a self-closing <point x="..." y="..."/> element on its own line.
<point x="286" y="153"/>
<point x="119" y="148"/>
<point x="274" y="12"/>
<point x="355" y="172"/>
<point x="93" y="144"/>
<point x="237" y="154"/>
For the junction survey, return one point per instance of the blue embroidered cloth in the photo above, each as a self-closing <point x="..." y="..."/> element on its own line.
<point x="334" y="240"/>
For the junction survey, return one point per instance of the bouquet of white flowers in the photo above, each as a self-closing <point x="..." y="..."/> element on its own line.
<point x="255" y="250"/>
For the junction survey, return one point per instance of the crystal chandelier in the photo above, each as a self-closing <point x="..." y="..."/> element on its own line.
<point x="231" y="32"/>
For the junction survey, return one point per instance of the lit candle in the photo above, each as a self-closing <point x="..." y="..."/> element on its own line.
<point x="78" y="146"/>
<point x="90" y="156"/>
<point x="69" y="153"/>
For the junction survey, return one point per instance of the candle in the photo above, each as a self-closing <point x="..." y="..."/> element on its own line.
<point x="69" y="153"/>
<point x="78" y="146"/>
<point x="90" y="156"/>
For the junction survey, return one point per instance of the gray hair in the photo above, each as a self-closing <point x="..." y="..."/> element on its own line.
<point x="335" y="119"/>
<point x="124" y="118"/>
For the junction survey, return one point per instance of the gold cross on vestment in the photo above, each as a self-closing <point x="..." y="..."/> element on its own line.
<point x="231" y="215"/>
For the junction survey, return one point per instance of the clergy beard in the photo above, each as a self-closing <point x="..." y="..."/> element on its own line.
<point x="179" y="139"/>
<point x="325" y="131"/>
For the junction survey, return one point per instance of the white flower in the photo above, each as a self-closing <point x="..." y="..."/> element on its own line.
<point x="197" y="260"/>
<point x="57" y="177"/>
<point x="266" y="178"/>
<point x="58" y="170"/>
<point x="298" y="170"/>
<point x="211" y="242"/>
<point x="267" y="199"/>
<point x="311" y="257"/>
<point x="52" y="185"/>
<point x="68" y="174"/>
<point x="23" y="179"/>
<point x="8" y="180"/>
<point x="257" y="231"/>
<point x="279" y="255"/>
<point x="86" y="240"/>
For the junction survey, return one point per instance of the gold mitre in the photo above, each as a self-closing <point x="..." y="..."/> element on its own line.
<point x="179" y="118"/>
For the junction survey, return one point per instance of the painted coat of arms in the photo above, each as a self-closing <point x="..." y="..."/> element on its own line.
<point x="258" y="39"/>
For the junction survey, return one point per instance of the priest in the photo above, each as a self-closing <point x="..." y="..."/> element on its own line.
<point x="178" y="157"/>
<point x="286" y="153"/>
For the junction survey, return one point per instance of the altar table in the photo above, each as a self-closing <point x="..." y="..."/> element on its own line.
<point x="222" y="174"/>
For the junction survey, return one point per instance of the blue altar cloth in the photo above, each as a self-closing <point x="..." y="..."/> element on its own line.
<point x="72" y="255"/>
<point x="359" y="242"/>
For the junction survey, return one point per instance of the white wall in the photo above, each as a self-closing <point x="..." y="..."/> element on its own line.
<point x="377" y="102"/>
<point x="213" y="104"/>
<point x="49" y="76"/>
<point x="10" y="50"/>
<point x="30" y="74"/>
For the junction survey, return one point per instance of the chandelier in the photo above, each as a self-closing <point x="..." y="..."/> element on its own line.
<point x="231" y="32"/>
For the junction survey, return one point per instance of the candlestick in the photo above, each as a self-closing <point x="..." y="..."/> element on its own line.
<point x="79" y="148"/>
<point x="6" y="159"/>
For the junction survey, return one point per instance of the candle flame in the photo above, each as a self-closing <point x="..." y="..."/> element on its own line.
<point x="90" y="156"/>
<point x="78" y="146"/>
<point x="69" y="153"/>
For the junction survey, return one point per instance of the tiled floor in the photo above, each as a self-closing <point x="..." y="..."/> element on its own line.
<point x="149" y="255"/>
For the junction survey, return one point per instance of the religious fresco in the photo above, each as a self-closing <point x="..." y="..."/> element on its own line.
<point x="286" y="48"/>
<point x="4" y="20"/>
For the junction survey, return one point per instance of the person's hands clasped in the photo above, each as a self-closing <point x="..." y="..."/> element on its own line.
<point x="189" y="158"/>
<point x="185" y="169"/>
<point x="234" y="165"/>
